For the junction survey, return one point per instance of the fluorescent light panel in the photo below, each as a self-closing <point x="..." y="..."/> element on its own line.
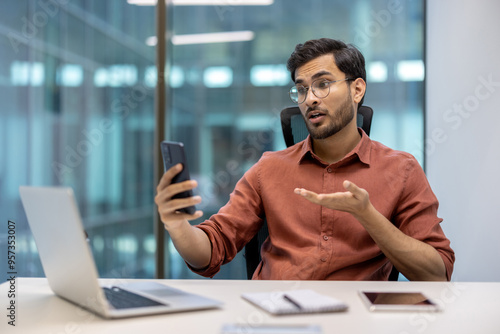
<point x="70" y="75"/>
<point x="206" y="2"/>
<point x="218" y="37"/>
<point x="269" y="75"/>
<point x="377" y="71"/>
<point x="23" y="73"/>
<point x="222" y="2"/>
<point x="218" y="76"/>
<point x="410" y="70"/>
<point x="151" y="41"/>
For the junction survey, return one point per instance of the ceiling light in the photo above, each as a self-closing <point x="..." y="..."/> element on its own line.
<point x="205" y="2"/>
<point x="411" y="70"/>
<point x="218" y="37"/>
<point x="151" y="41"/>
<point x="377" y="71"/>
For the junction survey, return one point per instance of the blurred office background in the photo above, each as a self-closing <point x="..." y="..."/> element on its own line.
<point x="77" y="99"/>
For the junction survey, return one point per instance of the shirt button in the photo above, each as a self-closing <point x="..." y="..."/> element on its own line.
<point x="325" y="237"/>
<point x="323" y="259"/>
<point x="329" y="170"/>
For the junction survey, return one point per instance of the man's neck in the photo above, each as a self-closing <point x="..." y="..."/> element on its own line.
<point x="336" y="147"/>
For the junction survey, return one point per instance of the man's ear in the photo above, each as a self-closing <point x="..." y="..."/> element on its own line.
<point x="358" y="89"/>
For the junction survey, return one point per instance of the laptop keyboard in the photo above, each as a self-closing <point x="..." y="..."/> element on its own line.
<point x="121" y="299"/>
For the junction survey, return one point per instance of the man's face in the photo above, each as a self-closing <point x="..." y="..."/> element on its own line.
<point x="326" y="116"/>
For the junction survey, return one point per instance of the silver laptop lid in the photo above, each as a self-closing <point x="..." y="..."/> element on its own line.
<point x="54" y="219"/>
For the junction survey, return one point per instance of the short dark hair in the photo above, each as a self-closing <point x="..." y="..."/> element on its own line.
<point x="347" y="57"/>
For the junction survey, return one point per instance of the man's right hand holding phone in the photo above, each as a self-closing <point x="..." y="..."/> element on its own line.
<point x="168" y="207"/>
<point x="191" y="242"/>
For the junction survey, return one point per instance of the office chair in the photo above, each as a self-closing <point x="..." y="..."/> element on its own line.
<point x="294" y="131"/>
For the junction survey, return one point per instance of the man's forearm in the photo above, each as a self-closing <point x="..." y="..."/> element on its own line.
<point x="192" y="244"/>
<point x="415" y="259"/>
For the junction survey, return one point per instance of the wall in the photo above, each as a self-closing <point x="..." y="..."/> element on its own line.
<point x="462" y="137"/>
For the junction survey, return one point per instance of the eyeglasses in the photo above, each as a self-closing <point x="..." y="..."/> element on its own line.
<point x="320" y="88"/>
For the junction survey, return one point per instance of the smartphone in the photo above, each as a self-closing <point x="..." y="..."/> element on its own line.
<point x="398" y="301"/>
<point x="173" y="153"/>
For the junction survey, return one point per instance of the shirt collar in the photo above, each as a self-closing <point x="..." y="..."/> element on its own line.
<point x="362" y="150"/>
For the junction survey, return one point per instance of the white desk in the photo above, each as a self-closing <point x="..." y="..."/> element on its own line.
<point x="468" y="308"/>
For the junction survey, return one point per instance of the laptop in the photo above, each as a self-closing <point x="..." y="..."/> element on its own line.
<point x="68" y="263"/>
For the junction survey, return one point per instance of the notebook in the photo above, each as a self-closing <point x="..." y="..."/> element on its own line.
<point x="71" y="271"/>
<point x="295" y="302"/>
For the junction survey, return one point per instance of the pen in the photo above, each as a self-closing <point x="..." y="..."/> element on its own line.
<point x="293" y="302"/>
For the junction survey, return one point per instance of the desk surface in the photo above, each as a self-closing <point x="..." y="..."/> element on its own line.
<point x="468" y="308"/>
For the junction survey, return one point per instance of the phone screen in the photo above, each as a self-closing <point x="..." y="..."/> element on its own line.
<point x="398" y="301"/>
<point x="173" y="153"/>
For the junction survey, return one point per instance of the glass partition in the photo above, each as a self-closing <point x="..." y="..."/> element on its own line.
<point x="229" y="82"/>
<point x="78" y="80"/>
<point x="77" y="110"/>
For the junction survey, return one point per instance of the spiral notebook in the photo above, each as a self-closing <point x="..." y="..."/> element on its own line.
<point x="295" y="302"/>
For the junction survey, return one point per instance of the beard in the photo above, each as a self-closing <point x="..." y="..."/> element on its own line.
<point x="334" y="123"/>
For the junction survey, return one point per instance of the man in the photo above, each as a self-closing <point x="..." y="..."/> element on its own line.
<point x="338" y="205"/>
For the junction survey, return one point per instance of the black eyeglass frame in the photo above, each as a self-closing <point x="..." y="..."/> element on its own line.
<point x="329" y="82"/>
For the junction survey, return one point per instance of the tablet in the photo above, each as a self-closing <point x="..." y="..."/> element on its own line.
<point x="398" y="301"/>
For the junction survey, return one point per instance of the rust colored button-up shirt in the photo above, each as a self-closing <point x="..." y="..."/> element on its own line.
<point x="308" y="241"/>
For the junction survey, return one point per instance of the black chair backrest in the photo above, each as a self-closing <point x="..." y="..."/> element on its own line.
<point x="294" y="131"/>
